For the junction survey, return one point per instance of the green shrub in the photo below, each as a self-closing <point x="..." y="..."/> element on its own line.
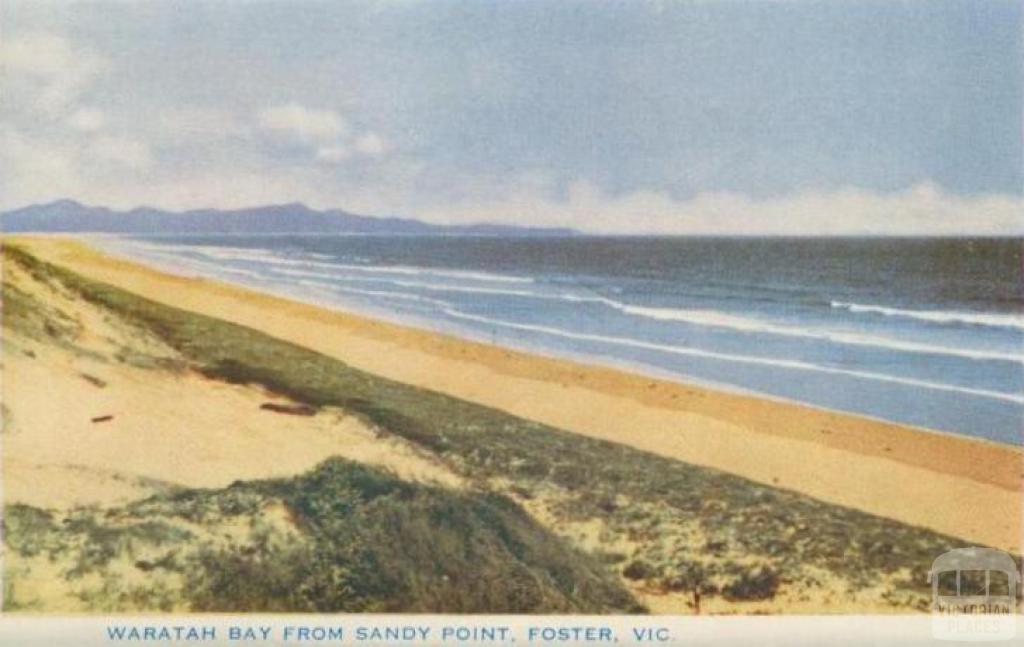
<point x="760" y="584"/>
<point x="639" y="569"/>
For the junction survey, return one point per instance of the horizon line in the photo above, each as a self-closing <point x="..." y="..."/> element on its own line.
<point x="557" y="230"/>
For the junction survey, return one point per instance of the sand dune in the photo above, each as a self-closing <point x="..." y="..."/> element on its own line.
<point x="955" y="485"/>
<point x="121" y="432"/>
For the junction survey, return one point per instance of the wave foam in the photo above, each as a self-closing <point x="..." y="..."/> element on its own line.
<point x="716" y="319"/>
<point x="722" y="320"/>
<point x="995" y="320"/>
<point x="743" y="359"/>
<point x="312" y="259"/>
<point x="290" y="266"/>
<point x="386" y="294"/>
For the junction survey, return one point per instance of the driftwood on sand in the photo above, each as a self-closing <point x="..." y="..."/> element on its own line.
<point x="291" y="409"/>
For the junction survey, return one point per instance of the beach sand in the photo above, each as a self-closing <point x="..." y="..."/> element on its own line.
<point x="123" y="432"/>
<point x="956" y="485"/>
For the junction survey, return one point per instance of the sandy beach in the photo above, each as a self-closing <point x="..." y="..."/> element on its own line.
<point x="955" y="485"/>
<point x="493" y="323"/>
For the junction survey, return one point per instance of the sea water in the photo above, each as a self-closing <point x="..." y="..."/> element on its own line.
<point x="928" y="332"/>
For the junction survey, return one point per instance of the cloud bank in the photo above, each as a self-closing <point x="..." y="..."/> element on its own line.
<point x="56" y="141"/>
<point x="924" y="209"/>
<point x="304" y="124"/>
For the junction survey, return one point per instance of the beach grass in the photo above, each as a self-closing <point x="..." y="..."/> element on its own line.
<point x="662" y="524"/>
<point x="354" y="539"/>
<point x="345" y="536"/>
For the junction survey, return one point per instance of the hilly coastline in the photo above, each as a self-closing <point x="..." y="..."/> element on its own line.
<point x="69" y="216"/>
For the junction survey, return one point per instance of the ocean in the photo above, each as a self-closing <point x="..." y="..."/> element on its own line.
<point x="928" y="332"/>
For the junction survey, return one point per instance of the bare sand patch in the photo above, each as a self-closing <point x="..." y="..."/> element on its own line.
<point x="180" y="429"/>
<point x="86" y="424"/>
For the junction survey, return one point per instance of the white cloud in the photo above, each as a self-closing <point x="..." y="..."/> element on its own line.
<point x="227" y="189"/>
<point x="43" y="72"/>
<point x="924" y="209"/>
<point x="371" y="144"/>
<point x="86" y="119"/>
<point x="55" y="143"/>
<point x="303" y="124"/>
<point x="52" y="143"/>
<point x="122" y="151"/>
<point x="326" y="133"/>
<point x="198" y="124"/>
<point x="333" y="154"/>
<point x="35" y="171"/>
<point x="42" y="172"/>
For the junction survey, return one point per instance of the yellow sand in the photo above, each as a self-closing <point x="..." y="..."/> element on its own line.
<point x="168" y="428"/>
<point x="955" y="485"/>
<point x="181" y="430"/>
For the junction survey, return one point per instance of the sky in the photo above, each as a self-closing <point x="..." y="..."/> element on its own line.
<point x="700" y="116"/>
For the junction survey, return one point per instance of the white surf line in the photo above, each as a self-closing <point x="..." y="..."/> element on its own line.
<point x="723" y="320"/>
<point x="991" y="320"/>
<point x="401" y="296"/>
<point x="693" y="352"/>
<point x="708" y="318"/>
<point x="274" y="258"/>
<point x="713" y="319"/>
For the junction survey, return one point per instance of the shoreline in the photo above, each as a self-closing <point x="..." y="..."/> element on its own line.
<point x="423" y="324"/>
<point x="468" y="335"/>
<point x="962" y="486"/>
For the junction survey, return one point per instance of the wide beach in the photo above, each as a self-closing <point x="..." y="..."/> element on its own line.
<point x="958" y="486"/>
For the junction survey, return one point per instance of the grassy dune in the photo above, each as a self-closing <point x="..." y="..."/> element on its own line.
<point x="344" y="537"/>
<point x="355" y="538"/>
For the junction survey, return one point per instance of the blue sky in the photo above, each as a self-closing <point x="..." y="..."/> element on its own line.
<point x="704" y="116"/>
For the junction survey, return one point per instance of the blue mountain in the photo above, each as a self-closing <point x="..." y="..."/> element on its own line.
<point x="69" y="216"/>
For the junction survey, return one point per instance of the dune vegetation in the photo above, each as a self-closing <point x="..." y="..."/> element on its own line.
<point x="545" y="521"/>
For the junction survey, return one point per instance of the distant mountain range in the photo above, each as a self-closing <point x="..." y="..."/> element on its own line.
<point x="73" y="217"/>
